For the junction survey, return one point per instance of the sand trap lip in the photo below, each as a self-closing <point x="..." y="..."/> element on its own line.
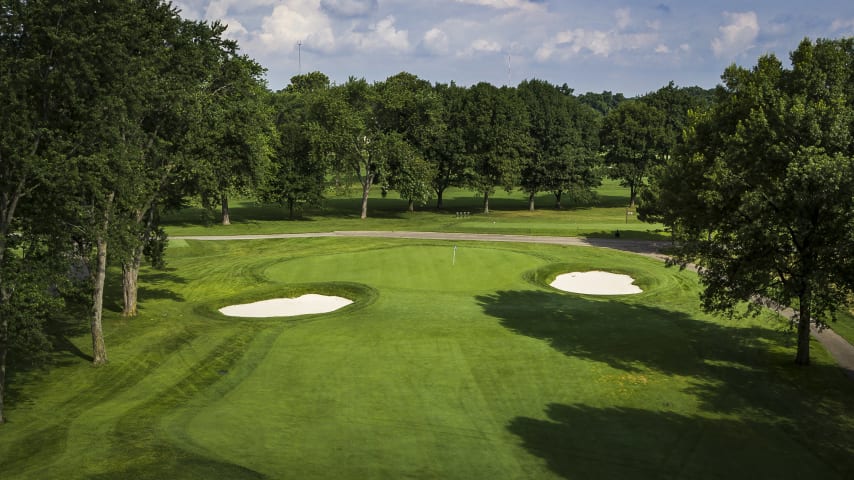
<point x="596" y="283"/>
<point x="287" y="307"/>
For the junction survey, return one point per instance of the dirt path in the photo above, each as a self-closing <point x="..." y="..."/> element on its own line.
<point x="838" y="347"/>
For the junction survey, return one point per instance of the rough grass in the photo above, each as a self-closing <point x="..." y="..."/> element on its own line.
<point x="474" y="369"/>
<point x="600" y="217"/>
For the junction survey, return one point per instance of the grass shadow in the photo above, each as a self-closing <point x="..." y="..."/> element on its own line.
<point x="66" y="325"/>
<point x="744" y="370"/>
<point x="579" y="441"/>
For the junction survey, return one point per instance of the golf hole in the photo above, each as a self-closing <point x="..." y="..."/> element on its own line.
<point x="596" y="283"/>
<point x="287" y="307"/>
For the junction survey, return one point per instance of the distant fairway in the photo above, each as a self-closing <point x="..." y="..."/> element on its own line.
<point x="599" y="217"/>
<point x="468" y="367"/>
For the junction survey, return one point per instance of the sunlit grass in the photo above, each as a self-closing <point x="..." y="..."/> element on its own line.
<point x="601" y="217"/>
<point x="463" y="366"/>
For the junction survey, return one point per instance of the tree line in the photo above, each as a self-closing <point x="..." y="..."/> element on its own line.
<point x="112" y="112"/>
<point x="407" y="135"/>
<point x="116" y="111"/>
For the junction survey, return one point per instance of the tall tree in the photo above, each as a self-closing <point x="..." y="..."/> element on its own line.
<point x="296" y="177"/>
<point x="409" y="173"/>
<point x="235" y="145"/>
<point x="446" y="151"/>
<point x="184" y="58"/>
<point x="761" y="196"/>
<point x="677" y="104"/>
<point x="563" y="152"/>
<point x="37" y="144"/>
<point x="408" y="107"/>
<point x="496" y="138"/>
<point x="344" y="128"/>
<point x="634" y="137"/>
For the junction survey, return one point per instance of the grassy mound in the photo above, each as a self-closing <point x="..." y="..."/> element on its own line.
<point x="450" y="367"/>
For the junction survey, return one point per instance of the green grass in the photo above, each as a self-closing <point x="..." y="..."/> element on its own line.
<point x="475" y="369"/>
<point x="509" y="214"/>
<point x="844" y="326"/>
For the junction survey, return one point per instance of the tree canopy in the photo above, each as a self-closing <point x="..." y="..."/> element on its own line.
<point x="564" y="152"/>
<point x="496" y="138"/>
<point x="761" y="196"/>
<point x="634" y="136"/>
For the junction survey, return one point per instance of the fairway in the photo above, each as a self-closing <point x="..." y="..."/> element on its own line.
<point x="452" y="363"/>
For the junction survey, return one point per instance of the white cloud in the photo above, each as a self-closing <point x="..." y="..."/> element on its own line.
<point x="436" y="41"/>
<point x="297" y="21"/>
<point x="573" y="42"/>
<point x="379" y="36"/>
<point x="235" y="30"/>
<point x="309" y="22"/>
<point x="189" y="8"/>
<point x="349" y="8"/>
<point x="624" y="18"/>
<point x="843" y="25"/>
<point x="218" y="9"/>
<point x="505" y="4"/>
<point x="623" y="37"/>
<point x="600" y="43"/>
<point x="737" y="36"/>
<point x="480" y="46"/>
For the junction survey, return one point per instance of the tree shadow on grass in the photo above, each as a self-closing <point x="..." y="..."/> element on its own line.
<point x="579" y="441"/>
<point x="65" y="325"/>
<point x="153" y="285"/>
<point x="746" y="370"/>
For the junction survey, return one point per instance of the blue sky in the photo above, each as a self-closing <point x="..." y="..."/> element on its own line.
<point x="626" y="46"/>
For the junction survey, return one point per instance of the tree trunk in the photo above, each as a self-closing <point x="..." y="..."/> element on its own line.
<point x="411" y="206"/>
<point x="558" y="194"/>
<point x="366" y="189"/>
<point x="99" y="350"/>
<point x="439" y="203"/>
<point x="804" y="321"/>
<point x="130" y="283"/>
<point x="486" y="202"/>
<point x="633" y="193"/>
<point x="291" y="203"/>
<point x="531" y="202"/>
<point x="226" y="215"/>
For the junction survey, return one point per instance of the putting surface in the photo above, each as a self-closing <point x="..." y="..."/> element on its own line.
<point x="465" y="366"/>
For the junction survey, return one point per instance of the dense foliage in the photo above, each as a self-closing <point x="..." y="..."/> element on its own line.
<point x="761" y="194"/>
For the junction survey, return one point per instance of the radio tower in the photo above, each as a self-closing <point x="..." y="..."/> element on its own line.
<point x="509" y="71"/>
<point x="299" y="55"/>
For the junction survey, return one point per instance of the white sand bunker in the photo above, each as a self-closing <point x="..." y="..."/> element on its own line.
<point x="596" y="283"/>
<point x="287" y="307"/>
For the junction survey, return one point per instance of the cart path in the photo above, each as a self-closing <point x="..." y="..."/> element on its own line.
<point x="637" y="246"/>
<point x="838" y="347"/>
